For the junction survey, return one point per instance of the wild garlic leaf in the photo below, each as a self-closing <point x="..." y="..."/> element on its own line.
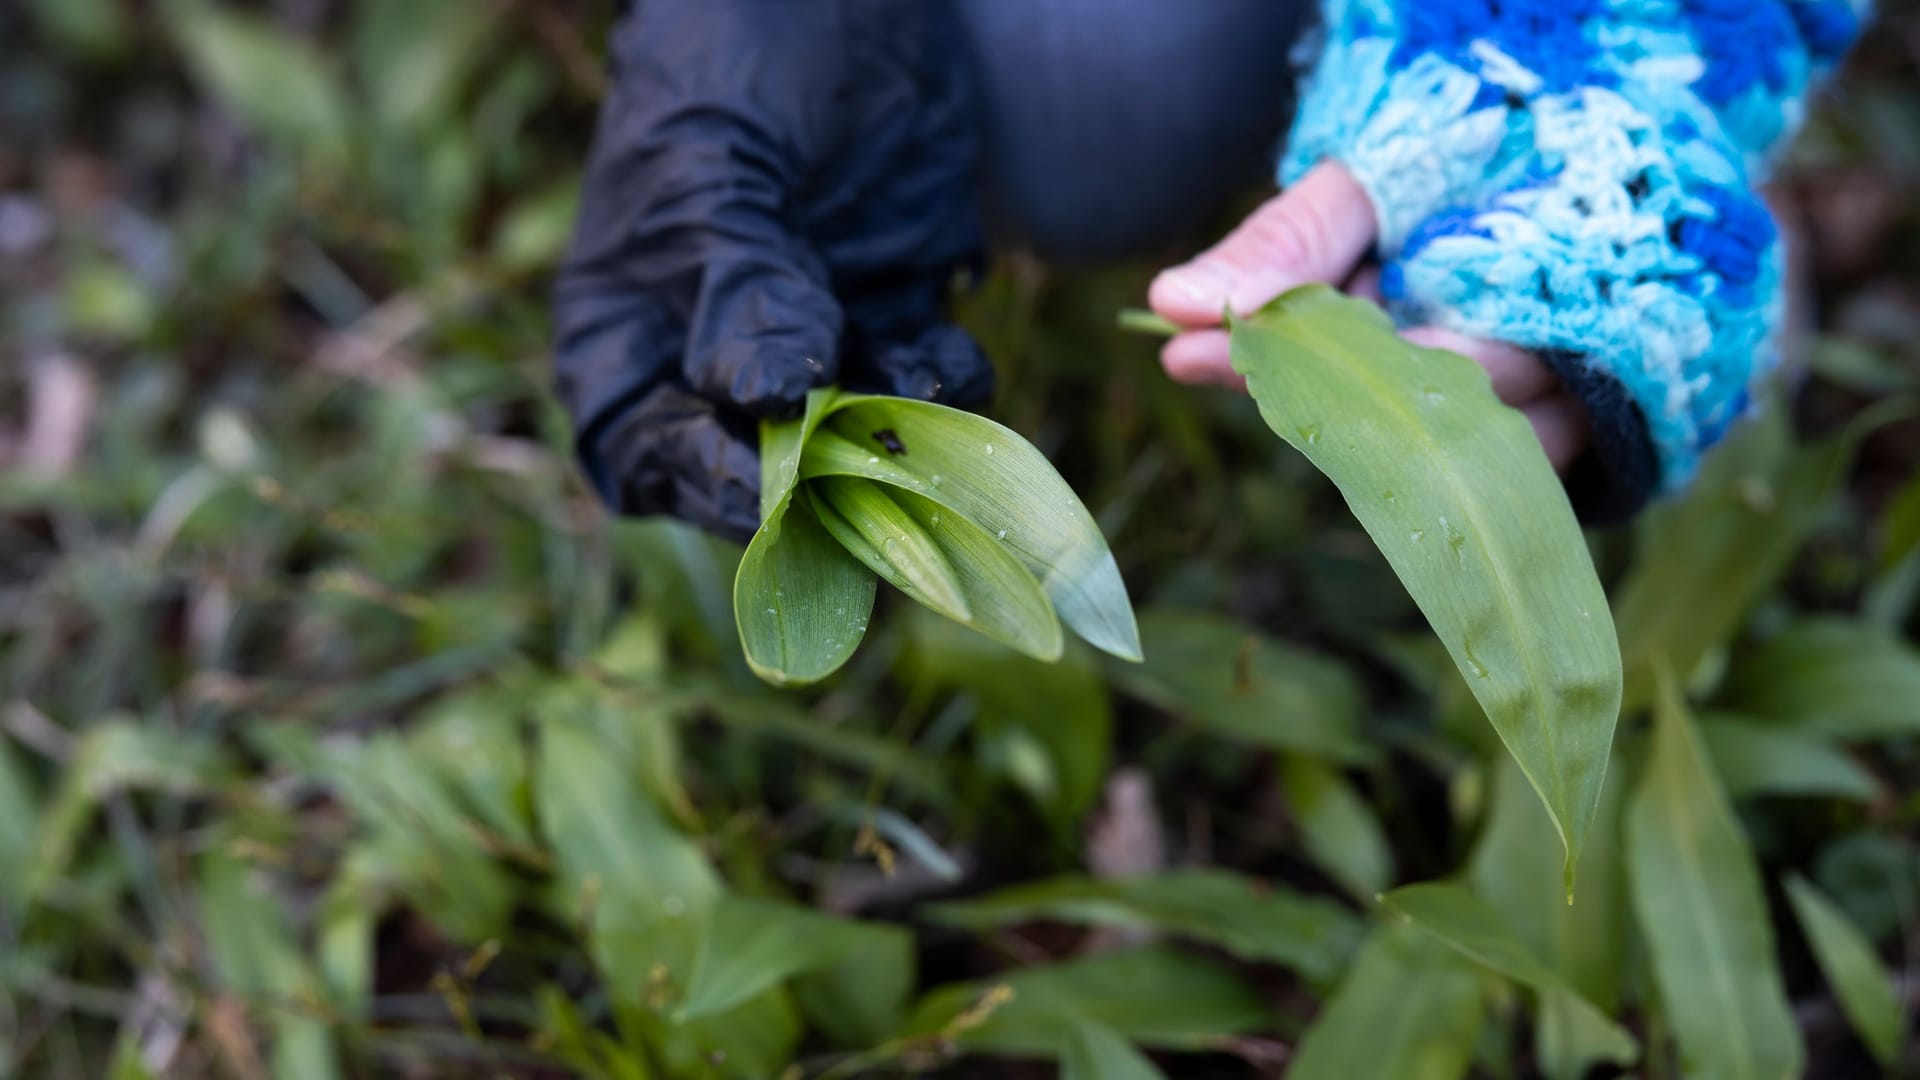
<point x="1454" y="489"/>
<point x="1703" y="912"/>
<point x="879" y="532"/>
<point x="1480" y="933"/>
<point x="800" y="600"/>
<point x="999" y="482"/>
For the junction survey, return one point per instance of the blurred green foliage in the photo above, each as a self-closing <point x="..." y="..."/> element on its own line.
<point x="342" y="734"/>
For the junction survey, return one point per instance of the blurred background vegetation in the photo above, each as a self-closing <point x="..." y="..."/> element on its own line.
<point x="342" y="734"/>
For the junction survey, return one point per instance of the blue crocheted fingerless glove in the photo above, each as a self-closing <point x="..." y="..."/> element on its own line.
<point x="1576" y="177"/>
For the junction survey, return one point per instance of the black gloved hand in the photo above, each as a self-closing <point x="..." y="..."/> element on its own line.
<point x="779" y="195"/>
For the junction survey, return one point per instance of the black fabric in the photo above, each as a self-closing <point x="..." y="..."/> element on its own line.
<point x="1620" y="471"/>
<point x="780" y="192"/>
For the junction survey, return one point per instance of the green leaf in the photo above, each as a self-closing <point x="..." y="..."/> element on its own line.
<point x="415" y="57"/>
<point x="1409" y="1009"/>
<point x="277" y="83"/>
<point x="1833" y="677"/>
<point x="999" y="482"/>
<point x="892" y="543"/>
<point x="1337" y="826"/>
<point x="1754" y="758"/>
<point x="257" y="957"/>
<point x="1697" y="894"/>
<point x="1253" y="920"/>
<point x="640" y="881"/>
<point x="1704" y="561"/>
<point x="1453" y="487"/>
<point x="1157" y="996"/>
<point x="1852" y="968"/>
<point x="1229" y="678"/>
<point x="1097" y="1052"/>
<point x="800" y="600"/>
<point x="860" y="1001"/>
<point x="749" y="946"/>
<point x="1482" y="935"/>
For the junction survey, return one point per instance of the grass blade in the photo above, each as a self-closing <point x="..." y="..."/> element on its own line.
<point x="1453" y="487"/>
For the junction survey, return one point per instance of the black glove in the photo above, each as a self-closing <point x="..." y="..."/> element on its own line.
<point x="779" y="196"/>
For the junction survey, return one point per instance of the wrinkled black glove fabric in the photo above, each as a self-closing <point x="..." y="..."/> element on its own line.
<point x="779" y="195"/>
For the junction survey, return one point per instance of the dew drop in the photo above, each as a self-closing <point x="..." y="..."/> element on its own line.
<point x="1389" y="496"/>
<point x="1002" y="534"/>
<point x="873" y="461"/>
<point x="839" y="611"/>
<point x="1310" y="434"/>
<point x="1417" y="535"/>
<point x="771" y="611"/>
<point x="936" y="519"/>
<point x="936" y="479"/>
<point x="1473" y="662"/>
<point x="1433" y="395"/>
<point x="1456" y="539"/>
<point x="989" y="449"/>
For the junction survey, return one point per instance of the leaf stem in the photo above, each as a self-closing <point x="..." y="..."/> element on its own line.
<point x="1141" y="321"/>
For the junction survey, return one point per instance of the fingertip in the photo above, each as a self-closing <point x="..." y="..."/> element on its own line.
<point x="1191" y="294"/>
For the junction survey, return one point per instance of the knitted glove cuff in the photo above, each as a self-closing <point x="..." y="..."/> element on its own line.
<point x="1575" y="177"/>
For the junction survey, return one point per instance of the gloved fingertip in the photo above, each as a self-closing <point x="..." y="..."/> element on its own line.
<point x="944" y="364"/>
<point x="769" y="374"/>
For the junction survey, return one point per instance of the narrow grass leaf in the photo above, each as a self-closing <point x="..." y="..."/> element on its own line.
<point x="1254" y="920"/>
<point x="1757" y="758"/>
<point x="278" y="83"/>
<point x="1853" y="970"/>
<point x="1229" y="679"/>
<point x="1699" y="904"/>
<point x="1834" y="677"/>
<point x="999" y="482"/>
<point x="1409" y="1008"/>
<point x="1097" y="1052"/>
<point x="1454" y="489"/>
<point x="1478" y="932"/>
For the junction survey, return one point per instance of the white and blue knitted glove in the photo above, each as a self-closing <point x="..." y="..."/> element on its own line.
<point x="1576" y="177"/>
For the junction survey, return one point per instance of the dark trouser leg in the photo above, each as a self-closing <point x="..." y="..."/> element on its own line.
<point x="1120" y="127"/>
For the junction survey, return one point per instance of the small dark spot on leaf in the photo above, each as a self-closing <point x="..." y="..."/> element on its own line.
<point x="889" y="441"/>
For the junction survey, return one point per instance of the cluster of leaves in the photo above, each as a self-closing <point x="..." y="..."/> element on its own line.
<point x="342" y="734"/>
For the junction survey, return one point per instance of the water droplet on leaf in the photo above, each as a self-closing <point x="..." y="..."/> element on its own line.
<point x="989" y="449"/>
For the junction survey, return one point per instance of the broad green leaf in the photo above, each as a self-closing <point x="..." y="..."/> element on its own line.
<point x="1482" y="934"/>
<point x="1697" y="895"/>
<point x="1253" y="920"/>
<point x="748" y="946"/>
<point x="1515" y="868"/>
<point x="1703" y="562"/>
<point x="860" y="1000"/>
<point x="1156" y="996"/>
<point x="1853" y="970"/>
<point x="1756" y="758"/>
<point x="999" y="482"/>
<point x="800" y="600"/>
<point x="1097" y="1052"/>
<point x="1409" y="1008"/>
<point x="1453" y="487"/>
<point x="278" y="83"/>
<point x="622" y="864"/>
<point x="1337" y="826"/>
<point x="1228" y="678"/>
<point x="1832" y="677"/>
<point x="892" y="543"/>
<point x="1900" y="526"/>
